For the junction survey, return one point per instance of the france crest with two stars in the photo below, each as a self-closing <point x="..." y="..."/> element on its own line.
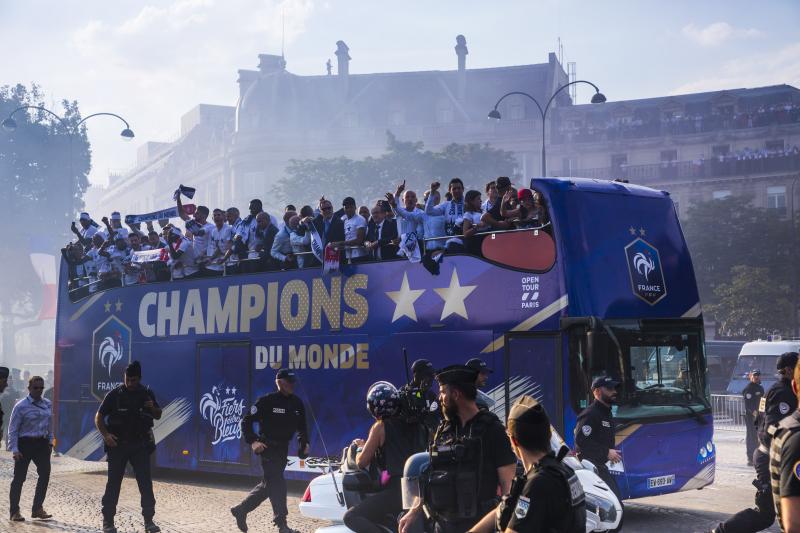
<point x="644" y="267"/>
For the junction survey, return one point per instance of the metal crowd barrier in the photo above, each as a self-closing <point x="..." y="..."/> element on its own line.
<point x="728" y="410"/>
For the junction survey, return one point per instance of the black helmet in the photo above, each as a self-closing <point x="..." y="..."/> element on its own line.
<point x="383" y="400"/>
<point x="422" y="366"/>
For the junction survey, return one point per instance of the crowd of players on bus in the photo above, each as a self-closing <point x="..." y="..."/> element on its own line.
<point x="103" y="255"/>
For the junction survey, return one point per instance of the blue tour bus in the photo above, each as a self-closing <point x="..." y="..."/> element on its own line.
<point x="607" y="287"/>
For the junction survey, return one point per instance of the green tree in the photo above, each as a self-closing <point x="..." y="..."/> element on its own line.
<point x="370" y="178"/>
<point x="43" y="176"/>
<point x="726" y="234"/>
<point x="752" y="304"/>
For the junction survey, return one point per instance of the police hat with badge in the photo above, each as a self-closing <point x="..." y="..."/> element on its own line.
<point x="606" y="382"/>
<point x="286" y="374"/>
<point x="479" y="365"/>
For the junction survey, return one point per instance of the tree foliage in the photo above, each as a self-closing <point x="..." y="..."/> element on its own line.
<point x="370" y="178"/>
<point x="43" y="176"/>
<point x="731" y="241"/>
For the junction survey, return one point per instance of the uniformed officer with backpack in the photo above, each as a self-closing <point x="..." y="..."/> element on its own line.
<point x="470" y="458"/>
<point x="125" y="420"/>
<point x="777" y="404"/>
<point x="548" y="498"/>
<point x="784" y="465"/>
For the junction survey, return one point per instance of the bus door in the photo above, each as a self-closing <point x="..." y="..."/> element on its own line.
<point x="533" y="367"/>
<point x="223" y="394"/>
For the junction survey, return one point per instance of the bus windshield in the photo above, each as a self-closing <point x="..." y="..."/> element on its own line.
<point x="661" y="367"/>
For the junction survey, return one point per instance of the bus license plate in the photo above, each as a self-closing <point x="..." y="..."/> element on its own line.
<point x="660" y="481"/>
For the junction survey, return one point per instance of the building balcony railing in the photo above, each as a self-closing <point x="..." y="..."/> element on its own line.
<point x="710" y="168"/>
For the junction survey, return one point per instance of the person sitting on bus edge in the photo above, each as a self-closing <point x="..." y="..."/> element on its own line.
<point x="410" y="218"/>
<point x="452" y="209"/>
<point x="392" y="439"/>
<point x="529" y="213"/>
<point x="355" y="231"/>
<point x="491" y="196"/>
<point x="381" y="241"/>
<point x="493" y="218"/>
<point x="472" y="223"/>
<point x="181" y="254"/>
<point x="300" y="239"/>
<point x="281" y="250"/>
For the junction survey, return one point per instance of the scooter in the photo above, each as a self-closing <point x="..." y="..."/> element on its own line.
<point x="329" y="495"/>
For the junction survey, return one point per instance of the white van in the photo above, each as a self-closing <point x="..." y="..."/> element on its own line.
<point x="762" y="355"/>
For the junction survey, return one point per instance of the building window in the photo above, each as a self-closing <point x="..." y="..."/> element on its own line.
<point x="351" y="120"/>
<point x="776" y="198"/>
<point x="444" y="113"/>
<point x="516" y="110"/>
<point x="396" y="117"/>
<point x="774" y="146"/>
<point x="669" y="155"/>
<point x="252" y="183"/>
<point x="721" y="149"/>
<point x="720" y="195"/>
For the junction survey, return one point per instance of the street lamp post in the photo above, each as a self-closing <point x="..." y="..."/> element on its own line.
<point x="9" y="124"/>
<point x="598" y="98"/>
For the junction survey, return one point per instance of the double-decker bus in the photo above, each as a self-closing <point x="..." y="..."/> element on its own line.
<point x="607" y="288"/>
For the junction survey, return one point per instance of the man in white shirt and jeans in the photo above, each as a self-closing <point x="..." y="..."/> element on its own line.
<point x="199" y="229"/>
<point x="219" y="243"/>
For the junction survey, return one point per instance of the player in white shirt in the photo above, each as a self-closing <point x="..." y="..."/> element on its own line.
<point x="452" y="210"/>
<point x="181" y="253"/>
<point x="219" y="243"/>
<point x="87" y="231"/>
<point x="410" y="218"/>
<point x="198" y="229"/>
<point x="114" y="226"/>
<point x="355" y="230"/>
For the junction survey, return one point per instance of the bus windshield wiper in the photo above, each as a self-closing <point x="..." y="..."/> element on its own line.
<point x="696" y="415"/>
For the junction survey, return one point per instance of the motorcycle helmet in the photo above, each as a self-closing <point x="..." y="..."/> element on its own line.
<point x="383" y="400"/>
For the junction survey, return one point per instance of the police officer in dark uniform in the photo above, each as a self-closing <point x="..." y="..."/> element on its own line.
<point x="280" y="415"/>
<point x="418" y="396"/>
<point x="484" y="400"/>
<point x="392" y="440"/>
<point x="778" y="403"/>
<point x="549" y="496"/>
<point x="594" y="431"/>
<point x="752" y="395"/>
<point x="784" y="462"/>
<point x="4" y="372"/>
<point x="470" y="457"/>
<point x="125" y="420"/>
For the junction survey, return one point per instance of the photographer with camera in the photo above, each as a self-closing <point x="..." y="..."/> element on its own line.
<point x="417" y="398"/>
<point x="279" y="415"/>
<point x="125" y="420"/>
<point x="392" y="439"/>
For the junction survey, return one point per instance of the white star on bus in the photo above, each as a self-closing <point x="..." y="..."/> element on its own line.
<point x="404" y="300"/>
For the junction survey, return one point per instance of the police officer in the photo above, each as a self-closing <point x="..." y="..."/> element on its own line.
<point x="392" y="439"/>
<point x="549" y="496"/>
<point x="125" y="420"/>
<point x="752" y="395"/>
<point x="280" y="415"/>
<point x="4" y="372"/>
<point x="484" y="400"/>
<point x="470" y="457"/>
<point x="594" y="431"/>
<point x="778" y="403"/>
<point x="419" y="395"/>
<point x="784" y="458"/>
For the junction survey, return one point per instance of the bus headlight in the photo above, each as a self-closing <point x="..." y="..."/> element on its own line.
<point x="604" y="509"/>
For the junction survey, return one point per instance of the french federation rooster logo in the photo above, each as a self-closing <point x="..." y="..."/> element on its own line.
<point x="643" y="264"/>
<point x="111" y="351"/>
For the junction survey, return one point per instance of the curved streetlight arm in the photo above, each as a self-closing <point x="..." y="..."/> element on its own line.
<point x="40" y="108"/>
<point x="127" y="126"/>
<point x="596" y="88"/>
<point x="520" y="93"/>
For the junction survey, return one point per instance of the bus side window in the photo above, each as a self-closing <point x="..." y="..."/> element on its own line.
<point x="579" y="379"/>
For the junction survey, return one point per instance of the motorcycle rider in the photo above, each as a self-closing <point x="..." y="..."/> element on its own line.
<point x="392" y="439"/>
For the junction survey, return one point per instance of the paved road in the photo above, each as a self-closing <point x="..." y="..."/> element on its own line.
<point x="199" y="504"/>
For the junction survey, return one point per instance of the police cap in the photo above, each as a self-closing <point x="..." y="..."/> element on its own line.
<point x="755" y="372"/>
<point x="134" y="370"/>
<point x="528" y="411"/>
<point x="4" y="372"/>
<point x="787" y="360"/>
<point x="479" y="365"/>
<point x="288" y="375"/>
<point x="422" y="367"/>
<point x="604" y="381"/>
<point x="457" y="374"/>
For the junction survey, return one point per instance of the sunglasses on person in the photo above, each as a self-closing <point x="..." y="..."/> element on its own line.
<point x="326" y="208"/>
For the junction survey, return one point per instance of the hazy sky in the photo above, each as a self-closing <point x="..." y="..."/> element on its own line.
<point x="151" y="61"/>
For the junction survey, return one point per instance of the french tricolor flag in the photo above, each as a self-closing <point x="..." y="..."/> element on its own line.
<point x="44" y="264"/>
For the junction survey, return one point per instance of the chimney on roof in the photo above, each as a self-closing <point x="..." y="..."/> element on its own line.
<point x="269" y="63"/>
<point x="461" y="52"/>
